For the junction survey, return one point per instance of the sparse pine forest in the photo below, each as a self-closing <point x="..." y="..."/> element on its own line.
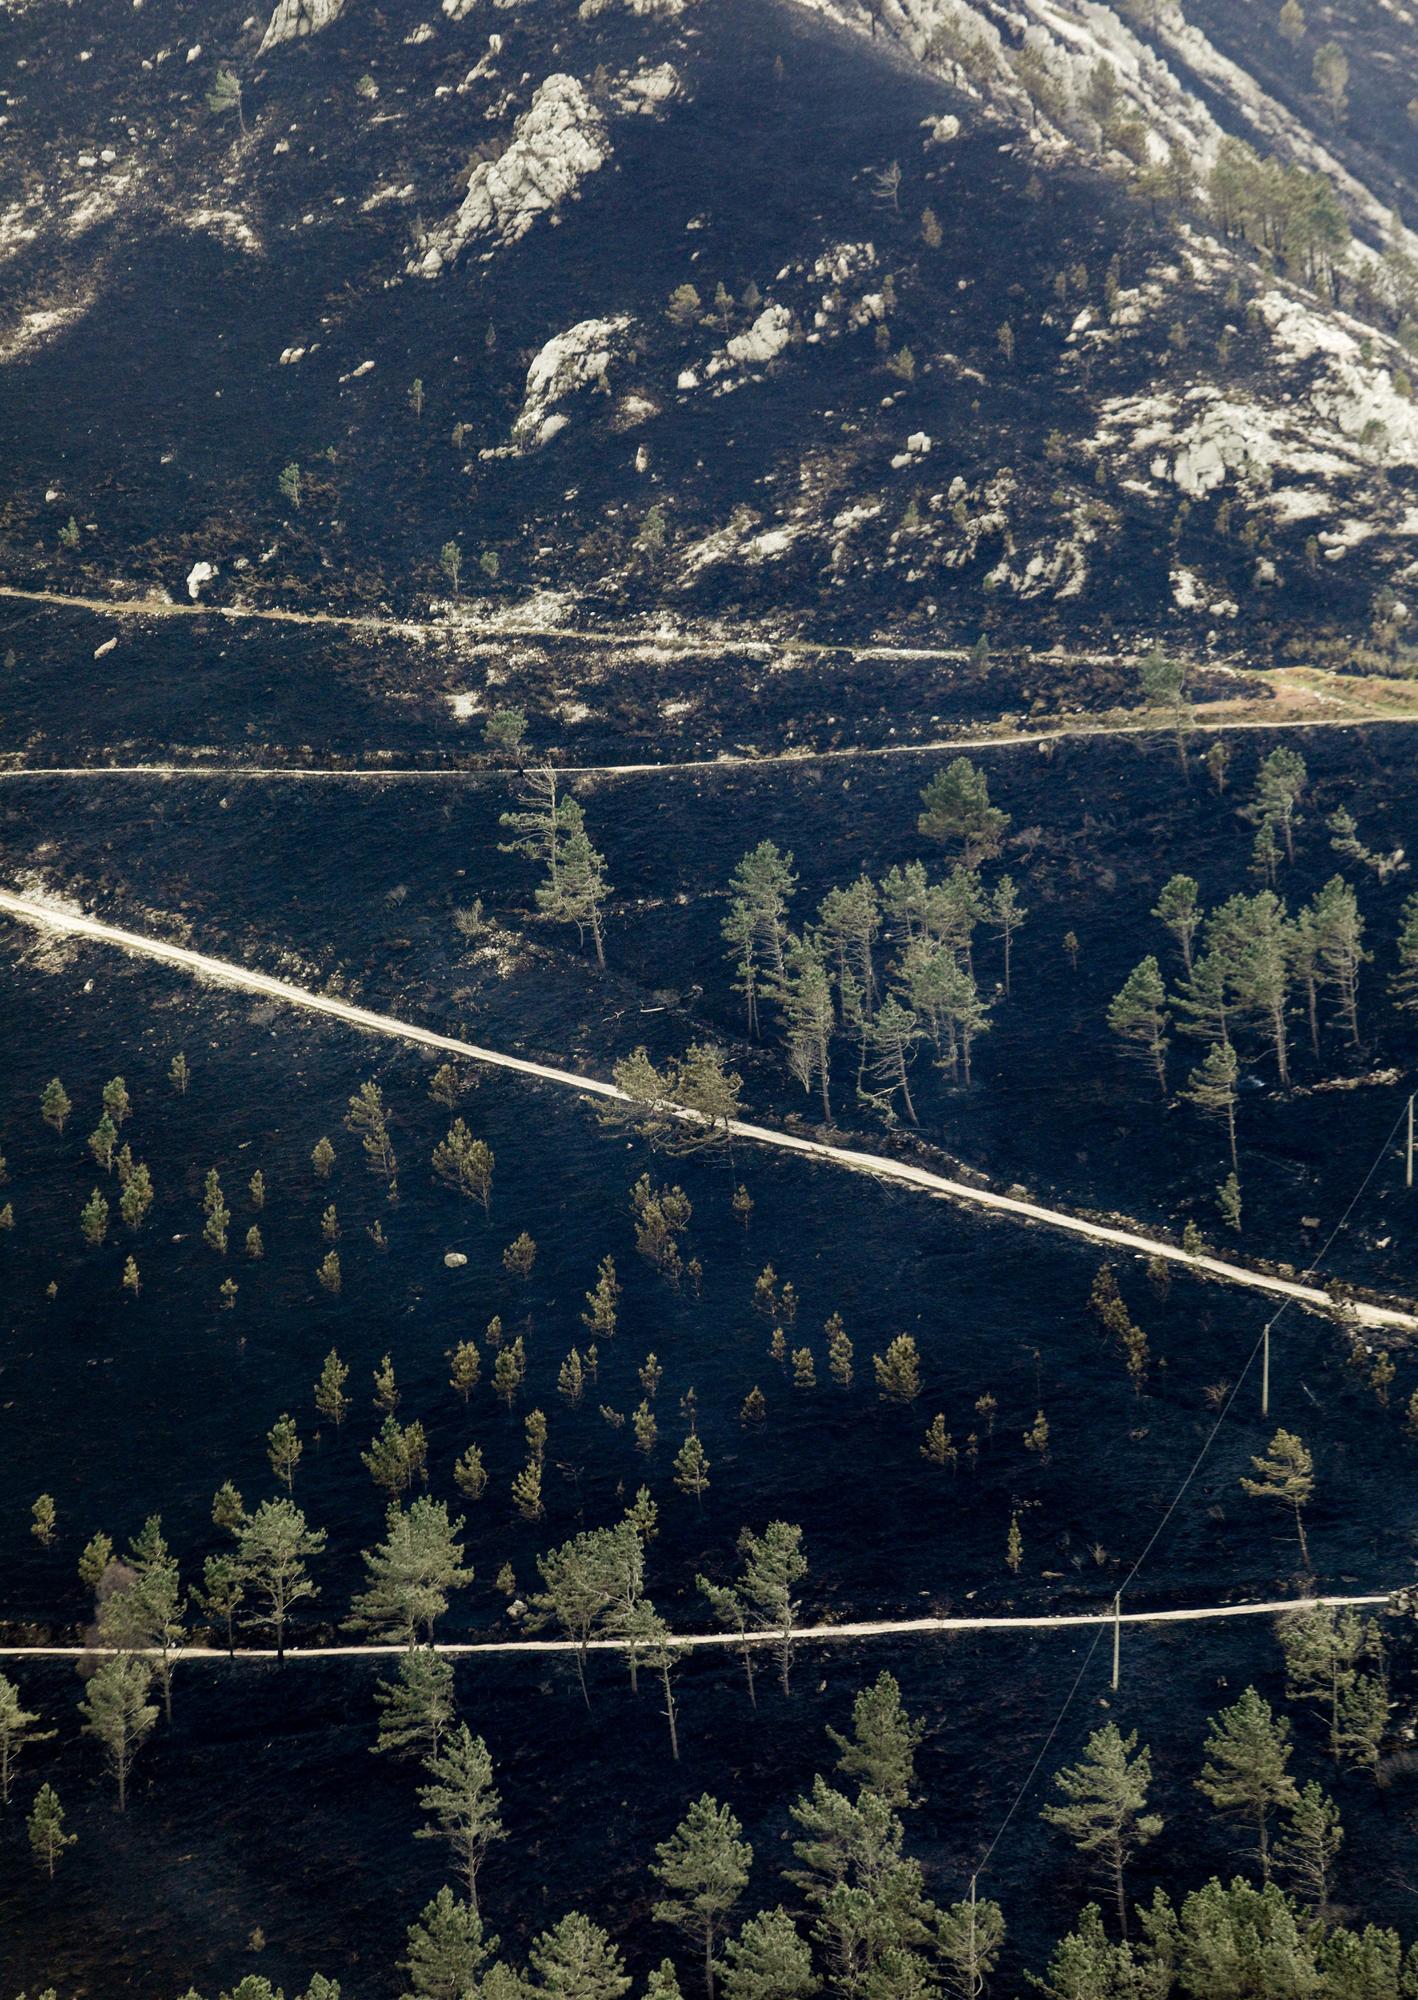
<point x="710" y="1000"/>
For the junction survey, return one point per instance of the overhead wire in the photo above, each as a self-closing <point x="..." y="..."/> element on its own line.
<point x="1025" y="1787"/>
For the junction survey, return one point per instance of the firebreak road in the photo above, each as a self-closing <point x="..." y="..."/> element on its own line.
<point x="728" y="760"/>
<point x="56" y="919"/>
<point x="803" y="1634"/>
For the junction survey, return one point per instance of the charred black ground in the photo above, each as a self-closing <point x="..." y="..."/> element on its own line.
<point x="896" y="371"/>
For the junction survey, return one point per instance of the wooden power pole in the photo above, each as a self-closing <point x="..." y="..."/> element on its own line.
<point x="1117" y="1635"/>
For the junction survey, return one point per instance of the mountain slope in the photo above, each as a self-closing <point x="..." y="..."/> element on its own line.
<point x="972" y="343"/>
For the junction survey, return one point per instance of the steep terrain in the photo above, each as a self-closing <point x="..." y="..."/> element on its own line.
<point x="748" y="407"/>
<point x="849" y="316"/>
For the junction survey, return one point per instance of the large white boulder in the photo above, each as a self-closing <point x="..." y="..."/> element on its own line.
<point x="296" y="18"/>
<point x="570" y="361"/>
<point x="556" y="143"/>
<point x="769" y="335"/>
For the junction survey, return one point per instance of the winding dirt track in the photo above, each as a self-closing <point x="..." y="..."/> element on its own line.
<point x="489" y="630"/>
<point x="56" y="919"/>
<point x="162" y="607"/>
<point x="1210" y="720"/>
<point x="805" y="1634"/>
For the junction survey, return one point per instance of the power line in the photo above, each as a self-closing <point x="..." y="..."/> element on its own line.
<point x="1024" y="1789"/>
<point x="1264" y="1335"/>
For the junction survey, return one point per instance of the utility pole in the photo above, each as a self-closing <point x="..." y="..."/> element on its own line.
<point x="1408" y="1167"/>
<point x="1117" y="1635"/>
<point x="1265" y="1373"/>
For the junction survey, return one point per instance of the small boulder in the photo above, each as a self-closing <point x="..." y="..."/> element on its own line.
<point x="454" y="1260"/>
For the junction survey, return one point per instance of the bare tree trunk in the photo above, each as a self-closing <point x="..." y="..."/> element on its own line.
<point x="906" y="1090"/>
<point x="1281" y="1053"/>
<point x="670" y="1714"/>
<point x="1349" y="996"/>
<point x="553" y="849"/>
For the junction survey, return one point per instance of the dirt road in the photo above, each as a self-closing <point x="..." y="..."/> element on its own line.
<point x="57" y="919"/>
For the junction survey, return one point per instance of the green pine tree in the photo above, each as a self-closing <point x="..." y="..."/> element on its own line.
<point x="410" y="1573"/>
<point x="462" y="1802"/>
<point x="1245" y="1773"/>
<point x="45" y="1827"/>
<point x="448" y="1949"/>
<point x="418" y="1708"/>
<point x="118" y="1715"/>
<point x="17" y="1732"/>
<point x="703" y="1870"/>
<point x="898" y="1371"/>
<point x="1104" y="1811"/>
<point x="880" y="1754"/>
<point x="1286" y="1474"/>
<point x="55" y="1105"/>
<point x="768" y="1960"/>
<point x="575" y="1960"/>
<point x="691" y="1468"/>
